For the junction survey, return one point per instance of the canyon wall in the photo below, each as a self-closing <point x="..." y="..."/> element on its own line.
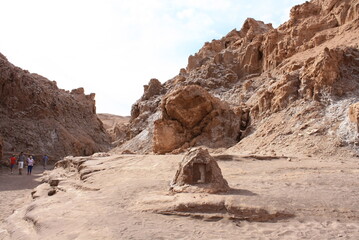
<point x="37" y="117"/>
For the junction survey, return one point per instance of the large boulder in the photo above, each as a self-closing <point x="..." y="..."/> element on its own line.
<point x="193" y="117"/>
<point x="199" y="172"/>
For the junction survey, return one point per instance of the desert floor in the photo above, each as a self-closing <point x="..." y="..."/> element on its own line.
<point x="14" y="187"/>
<point x="126" y="197"/>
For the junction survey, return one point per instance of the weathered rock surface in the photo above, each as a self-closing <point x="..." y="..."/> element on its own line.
<point x="191" y="116"/>
<point x="1" y="144"/>
<point x="37" y="117"/>
<point x="199" y="172"/>
<point x="354" y="114"/>
<point x="310" y="63"/>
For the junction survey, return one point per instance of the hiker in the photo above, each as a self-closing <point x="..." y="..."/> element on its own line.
<point x="12" y="163"/>
<point x="30" y="164"/>
<point x="20" y="162"/>
<point x="45" y="159"/>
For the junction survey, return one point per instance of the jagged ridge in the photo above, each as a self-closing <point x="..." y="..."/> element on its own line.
<point x="298" y="78"/>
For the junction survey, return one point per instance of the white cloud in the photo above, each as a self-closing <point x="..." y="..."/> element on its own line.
<point x="113" y="47"/>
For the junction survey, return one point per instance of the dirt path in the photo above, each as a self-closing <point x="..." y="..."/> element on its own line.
<point x="13" y="188"/>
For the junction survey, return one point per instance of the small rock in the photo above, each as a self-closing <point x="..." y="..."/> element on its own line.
<point x="51" y="192"/>
<point x="54" y="182"/>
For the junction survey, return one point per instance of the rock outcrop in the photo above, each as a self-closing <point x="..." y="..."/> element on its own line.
<point x="309" y="63"/>
<point x="354" y="114"/>
<point x="199" y="172"/>
<point x="37" y="117"/>
<point x="191" y="116"/>
<point x="1" y="144"/>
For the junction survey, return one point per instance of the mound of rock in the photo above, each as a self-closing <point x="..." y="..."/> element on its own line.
<point x="36" y="117"/>
<point x="199" y="172"/>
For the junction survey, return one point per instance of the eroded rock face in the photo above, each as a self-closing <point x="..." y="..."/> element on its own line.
<point x="199" y="172"/>
<point x="191" y="117"/>
<point x="328" y="73"/>
<point x="1" y="146"/>
<point x="310" y="60"/>
<point x="354" y="114"/>
<point x="37" y="117"/>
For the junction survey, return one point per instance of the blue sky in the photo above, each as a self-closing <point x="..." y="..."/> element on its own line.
<point x="114" y="47"/>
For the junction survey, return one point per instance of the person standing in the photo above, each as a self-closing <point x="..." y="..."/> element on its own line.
<point x="30" y="164"/>
<point x="45" y="159"/>
<point x="12" y="163"/>
<point x="20" y="162"/>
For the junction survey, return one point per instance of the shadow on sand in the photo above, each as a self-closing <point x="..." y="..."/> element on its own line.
<point x="243" y="192"/>
<point x="10" y="182"/>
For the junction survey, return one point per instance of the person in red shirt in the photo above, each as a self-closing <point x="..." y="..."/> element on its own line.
<point x="12" y="162"/>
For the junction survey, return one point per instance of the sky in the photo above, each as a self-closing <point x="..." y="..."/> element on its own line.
<point x="114" y="47"/>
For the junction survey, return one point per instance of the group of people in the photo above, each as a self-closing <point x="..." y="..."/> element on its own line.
<point x="30" y="161"/>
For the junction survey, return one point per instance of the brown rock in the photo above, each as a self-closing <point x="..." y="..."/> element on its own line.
<point x="39" y="118"/>
<point x="168" y="136"/>
<point x="192" y="117"/>
<point x="294" y="73"/>
<point x="154" y="88"/>
<point x="199" y="172"/>
<point x="54" y="182"/>
<point x="354" y="114"/>
<point x="188" y="106"/>
<point x="1" y="147"/>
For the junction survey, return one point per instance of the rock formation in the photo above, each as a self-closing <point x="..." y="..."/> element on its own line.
<point x="199" y="172"/>
<point x="191" y="117"/>
<point x="37" y="117"/>
<point x="1" y="144"/>
<point x="354" y="114"/>
<point x="300" y="77"/>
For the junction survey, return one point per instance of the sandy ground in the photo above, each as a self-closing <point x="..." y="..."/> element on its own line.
<point x="14" y="187"/>
<point x="127" y="197"/>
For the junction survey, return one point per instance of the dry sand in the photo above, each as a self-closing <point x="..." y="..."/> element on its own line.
<point x="13" y="188"/>
<point x="126" y="197"/>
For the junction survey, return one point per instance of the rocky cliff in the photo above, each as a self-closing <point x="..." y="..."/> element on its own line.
<point x="37" y="117"/>
<point x="288" y="89"/>
<point x="1" y="143"/>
